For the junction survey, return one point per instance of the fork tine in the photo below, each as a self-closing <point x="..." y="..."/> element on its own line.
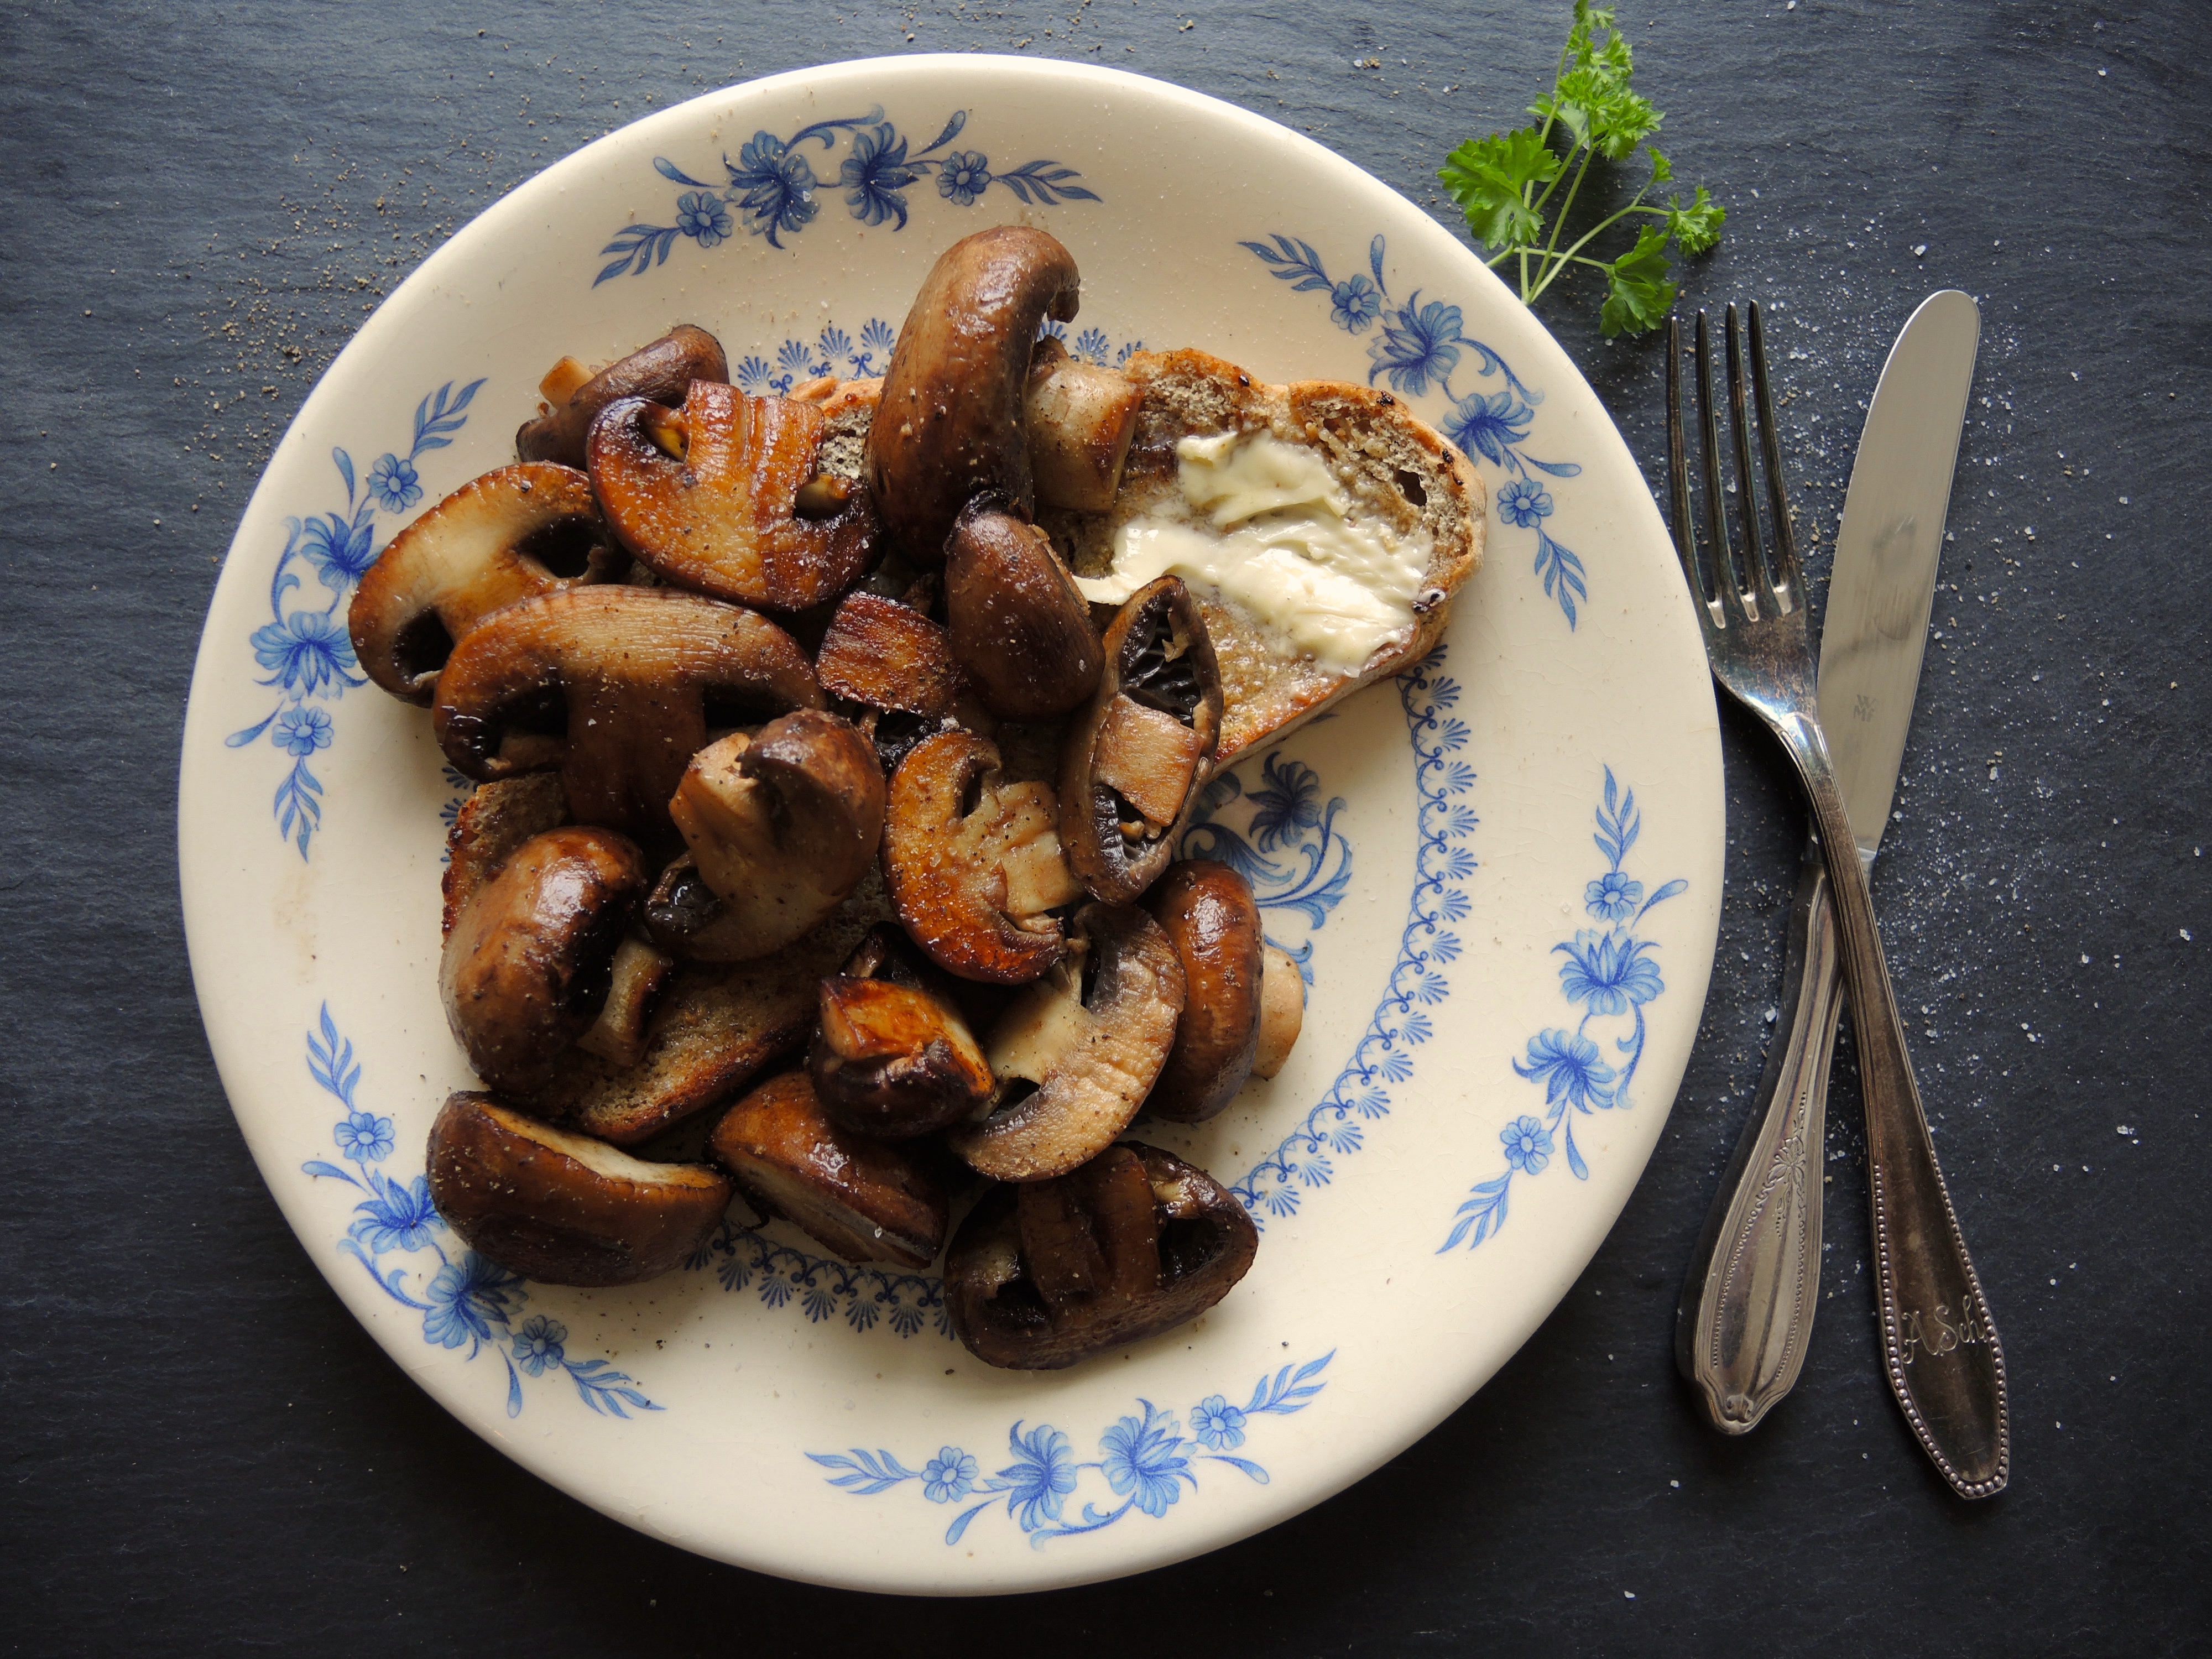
<point x="1788" y="574"/>
<point x="1677" y="475"/>
<point x="1728" y="592"/>
<point x="1760" y="582"/>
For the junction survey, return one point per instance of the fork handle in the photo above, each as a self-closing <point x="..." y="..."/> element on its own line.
<point x="1748" y="1303"/>
<point x="1939" y="1343"/>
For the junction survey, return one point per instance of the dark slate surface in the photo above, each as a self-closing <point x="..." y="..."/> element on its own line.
<point x="200" y="205"/>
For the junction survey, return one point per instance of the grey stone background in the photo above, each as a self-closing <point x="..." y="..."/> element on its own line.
<point x="197" y="207"/>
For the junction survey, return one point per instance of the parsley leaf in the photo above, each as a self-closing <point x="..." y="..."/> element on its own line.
<point x="1490" y="179"/>
<point x="1640" y="291"/>
<point x="1506" y="183"/>
<point x="1697" y="226"/>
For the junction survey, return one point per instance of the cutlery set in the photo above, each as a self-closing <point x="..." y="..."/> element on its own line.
<point x="1748" y="1303"/>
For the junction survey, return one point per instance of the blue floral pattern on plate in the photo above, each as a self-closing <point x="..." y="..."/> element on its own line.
<point x="1307" y="1157"/>
<point x="466" y="1300"/>
<point x="1143" y="1462"/>
<point x="1610" y="975"/>
<point x="769" y="191"/>
<point x="305" y="647"/>
<point x="1417" y="349"/>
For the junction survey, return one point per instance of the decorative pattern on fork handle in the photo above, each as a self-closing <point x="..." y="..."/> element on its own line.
<point x="1939" y="1344"/>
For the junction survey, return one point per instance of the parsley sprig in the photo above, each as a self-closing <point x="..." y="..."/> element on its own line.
<point x="1507" y="182"/>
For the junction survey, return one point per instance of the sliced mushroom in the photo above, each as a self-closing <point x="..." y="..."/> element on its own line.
<point x="1090" y="1036"/>
<point x="974" y="863"/>
<point x="526" y="968"/>
<point x="1078" y="418"/>
<point x="635" y="980"/>
<point x="615" y="687"/>
<point x="513" y="534"/>
<point x="860" y="1198"/>
<point x="781" y="825"/>
<point x="1282" y="1010"/>
<point x="948" y="426"/>
<point x="662" y="372"/>
<point x="1134" y="762"/>
<point x="888" y="655"/>
<point x="715" y="1027"/>
<point x="1020" y="629"/>
<point x="1207" y="912"/>
<point x="742" y="509"/>
<point x="1132" y="1244"/>
<point x="561" y="1208"/>
<point x="894" y="1057"/>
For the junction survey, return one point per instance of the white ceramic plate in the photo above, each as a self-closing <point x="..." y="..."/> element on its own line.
<point x="1505" y="871"/>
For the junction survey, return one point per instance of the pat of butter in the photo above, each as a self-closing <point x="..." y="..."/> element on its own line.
<point x="1270" y="532"/>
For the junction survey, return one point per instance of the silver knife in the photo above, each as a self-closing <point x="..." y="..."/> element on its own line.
<point x="1747" y="1310"/>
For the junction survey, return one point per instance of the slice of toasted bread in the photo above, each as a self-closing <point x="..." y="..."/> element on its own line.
<point x="1400" y="473"/>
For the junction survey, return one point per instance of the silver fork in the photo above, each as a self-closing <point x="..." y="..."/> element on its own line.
<point x="1939" y="1345"/>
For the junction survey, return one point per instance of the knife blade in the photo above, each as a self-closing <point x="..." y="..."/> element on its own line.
<point x="1745" y="1314"/>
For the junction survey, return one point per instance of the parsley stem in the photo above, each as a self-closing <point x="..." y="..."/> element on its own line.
<point x="1546" y="268"/>
<point x="1595" y="231"/>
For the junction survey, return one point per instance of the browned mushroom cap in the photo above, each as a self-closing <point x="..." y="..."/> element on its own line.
<point x="1133" y="762"/>
<point x="742" y="510"/>
<point x="562" y="1208"/>
<point x="948" y="426"/>
<point x="1134" y="1243"/>
<point x="1207" y="912"/>
<point x="616" y="686"/>
<point x="663" y="372"/>
<point x="860" y="1198"/>
<point x="973" y="862"/>
<point x="512" y="534"/>
<point x="781" y="827"/>
<point x="895" y="1056"/>
<point x="526" y="969"/>
<point x="1020" y="627"/>
<point x="1078" y="418"/>
<point x="1090" y="1037"/>
<point x="1282" y="1010"/>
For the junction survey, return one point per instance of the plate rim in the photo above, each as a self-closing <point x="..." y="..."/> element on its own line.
<point x="458" y="252"/>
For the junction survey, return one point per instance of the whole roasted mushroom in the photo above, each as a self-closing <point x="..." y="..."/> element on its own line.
<point x="1020" y="627"/>
<point x="1133" y="762"/>
<point x="860" y="1198"/>
<point x="1207" y="912"/>
<point x="894" y="1057"/>
<point x="615" y="687"/>
<point x="1078" y="418"/>
<point x="514" y="534"/>
<point x="781" y="825"/>
<point x="662" y="372"/>
<point x="1076" y="1053"/>
<point x="1134" y="1243"/>
<point x="526" y="969"/>
<point x="726" y="496"/>
<point x="948" y="426"/>
<point x="974" y="862"/>
<point x="561" y="1208"/>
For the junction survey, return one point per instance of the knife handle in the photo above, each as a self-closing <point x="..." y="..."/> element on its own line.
<point x="1747" y="1311"/>
<point x="1939" y="1344"/>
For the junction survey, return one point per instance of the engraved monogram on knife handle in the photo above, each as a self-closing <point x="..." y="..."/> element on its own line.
<point x="1939" y="1343"/>
<point x="1749" y="1299"/>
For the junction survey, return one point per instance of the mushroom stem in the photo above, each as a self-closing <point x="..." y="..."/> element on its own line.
<point x="1078" y="418"/>
<point x="1282" y="1010"/>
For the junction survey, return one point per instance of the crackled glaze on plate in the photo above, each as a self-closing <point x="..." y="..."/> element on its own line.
<point x="1501" y="875"/>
